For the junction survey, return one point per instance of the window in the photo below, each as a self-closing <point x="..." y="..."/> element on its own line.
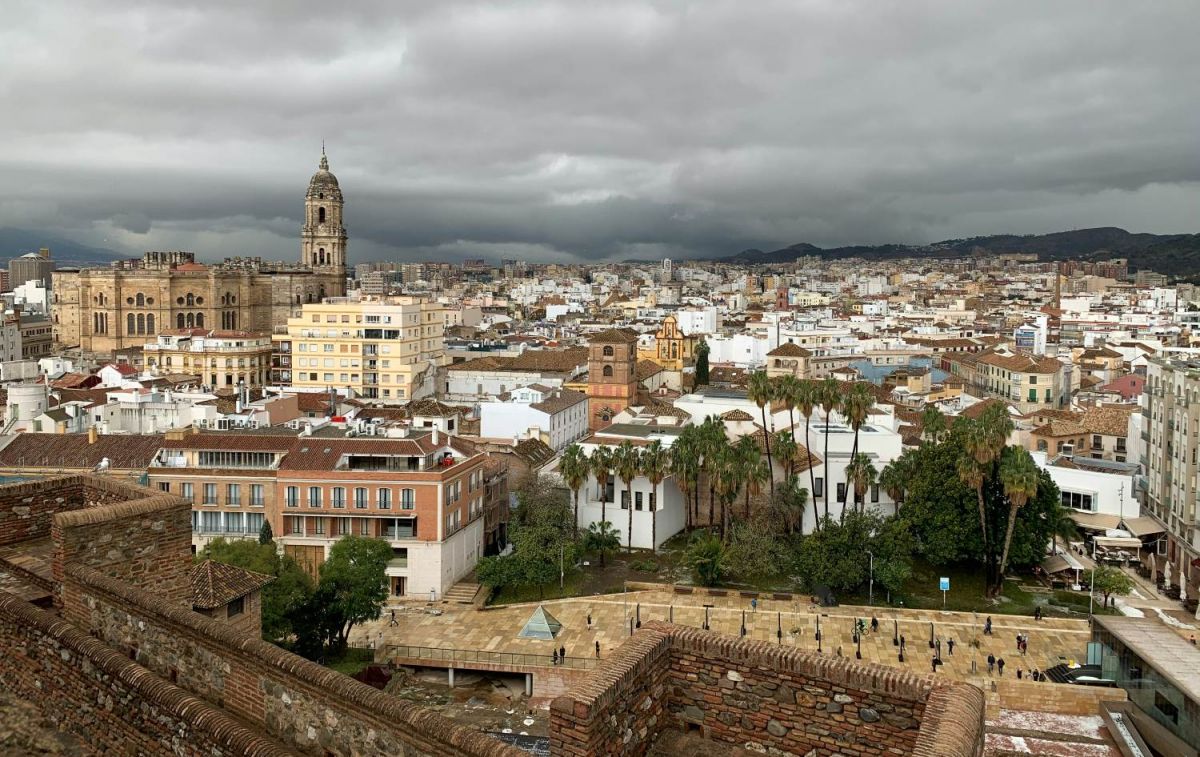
<point x="314" y="496"/>
<point x="385" y="499"/>
<point x="407" y="499"/>
<point x="164" y="486"/>
<point x="608" y="351"/>
<point x="233" y="494"/>
<point x="319" y="525"/>
<point x="236" y="607"/>
<point x="210" y="494"/>
<point x="1078" y="501"/>
<point x="819" y="487"/>
<point x="875" y="492"/>
<point x="187" y="491"/>
<point x="637" y="501"/>
<point x="256" y="496"/>
<point x="364" y="526"/>
<point x="841" y="492"/>
<point x="254" y="522"/>
<point x="293" y="496"/>
<point x="1041" y="445"/>
<point x="624" y="500"/>
<point x="360" y="498"/>
<point x="653" y="501"/>
<point x="339" y="496"/>
<point x="608" y="371"/>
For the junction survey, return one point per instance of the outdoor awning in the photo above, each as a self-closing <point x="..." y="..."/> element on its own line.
<point x="1096" y="521"/>
<point x="1055" y="564"/>
<point x="1118" y="542"/>
<point x="1143" y="527"/>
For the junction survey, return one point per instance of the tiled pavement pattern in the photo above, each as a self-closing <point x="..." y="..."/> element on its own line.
<point x="463" y="627"/>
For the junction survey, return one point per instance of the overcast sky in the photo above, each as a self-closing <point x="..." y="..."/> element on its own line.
<point x="596" y="130"/>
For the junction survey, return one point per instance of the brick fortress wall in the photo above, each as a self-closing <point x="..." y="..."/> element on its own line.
<point x="110" y="703"/>
<point x="28" y="509"/>
<point x="739" y="692"/>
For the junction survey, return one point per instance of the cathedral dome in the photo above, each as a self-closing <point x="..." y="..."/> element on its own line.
<point x="323" y="182"/>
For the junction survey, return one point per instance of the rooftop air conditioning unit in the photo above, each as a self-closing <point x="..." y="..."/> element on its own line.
<point x="1068" y="449"/>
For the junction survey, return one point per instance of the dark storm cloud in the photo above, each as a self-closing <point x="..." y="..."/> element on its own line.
<point x="596" y="130"/>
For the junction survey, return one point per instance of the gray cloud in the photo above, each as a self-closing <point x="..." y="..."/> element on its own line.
<point x="566" y="131"/>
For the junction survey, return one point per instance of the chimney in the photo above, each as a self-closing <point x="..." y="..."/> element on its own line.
<point x="437" y="437"/>
<point x="92" y="435"/>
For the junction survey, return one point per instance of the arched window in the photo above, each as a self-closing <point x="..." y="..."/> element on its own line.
<point x="179" y="321"/>
<point x="130" y="324"/>
<point x="1041" y="445"/>
<point x="608" y="371"/>
<point x="191" y="299"/>
<point x="141" y="323"/>
<point x="141" y="300"/>
<point x="191" y="320"/>
<point x="608" y="351"/>
<point x="199" y="320"/>
<point x="150" y="323"/>
<point x="320" y="256"/>
<point x="321" y="215"/>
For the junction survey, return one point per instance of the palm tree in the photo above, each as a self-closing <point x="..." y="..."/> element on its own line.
<point x="601" y="461"/>
<point x="788" y="504"/>
<point x="1062" y="524"/>
<point x="933" y="423"/>
<point x="656" y="463"/>
<point x="601" y="538"/>
<point x="729" y="476"/>
<point x="856" y="405"/>
<point x="1019" y="475"/>
<point x="574" y="469"/>
<point x="761" y="392"/>
<point x="788" y="390"/>
<point x="828" y="396"/>
<point x="626" y="463"/>
<point x="983" y="441"/>
<point x="753" y="471"/>
<point x="806" y="399"/>
<point x="862" y="474"/>
<point x="786" y="449"/>
<point x="713" y="442"/>
<point x="895" y="476"/>
<point x="685" y="467"/>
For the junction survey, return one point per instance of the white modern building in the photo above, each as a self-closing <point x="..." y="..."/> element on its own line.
<point x="557" y="416"/>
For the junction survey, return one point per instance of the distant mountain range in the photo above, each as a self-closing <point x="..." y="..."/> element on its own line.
<point x="16" y="242"/>
<point x="1172" y="254"/>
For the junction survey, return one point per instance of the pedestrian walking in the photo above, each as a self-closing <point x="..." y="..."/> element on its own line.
<point x="991" y="663"/>
<point x="589" y="620"/>
<point x="1018" y="674"/>
<point x="950" y="646"/>
<point x="1035" y="675"/>
<point x="562" y="653"/>
<point x="902" y="643"/>
<point x="554" y="657"/>
<point x="393" y="621"/>
<point x="937" y="649"/>
<point x="874" y="624"/>
<point x="1037" y="613"/>
<point x="934" y="664"/>
<point x="754" y="604"/>
<point x="987" y="626"/>
<point x="597" y="649"/>
<point x="1000" y="665"/>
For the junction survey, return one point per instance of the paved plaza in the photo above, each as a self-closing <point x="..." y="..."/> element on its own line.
<point x="462" y="627"/>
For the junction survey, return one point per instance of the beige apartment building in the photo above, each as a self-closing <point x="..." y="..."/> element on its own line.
<point x="1028" y="382"/>
<point x="1171" y="410"/>
<point x="387" y="348"/>
<point x="219" y="358"/>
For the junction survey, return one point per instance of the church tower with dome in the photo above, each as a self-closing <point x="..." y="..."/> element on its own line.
<point x="323" y="235"/>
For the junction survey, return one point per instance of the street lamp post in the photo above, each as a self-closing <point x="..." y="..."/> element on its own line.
<point x="1092" y="588"/>
<point x="871" y="580"/>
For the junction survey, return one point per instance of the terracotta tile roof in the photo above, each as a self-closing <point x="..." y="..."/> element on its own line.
<point x="535" y="452"/>
<point x="975" y="411"/>
<point x="313" y="453"/>
<point x="124" y="452"/>
<point x="432" y="408"/>
<point x="736" y="415"/>
<point x="216" y="584"/>
<point x="233" y="441"/>
<point x="1061" y="428"/>
<point x="551" y="361"/>
<point x="613" y="336"/>
<point x="1022" y="363"/>
<point x="558" y="401"/>
<point x="788" y="349"/>
<point x="125" y="369"/>
<point x="313" y="402"/>
<point x="647" y="368"/>
<point x="386" y="413"/>
<point x="1108" y="420"/>
<point x="75" y="381"/>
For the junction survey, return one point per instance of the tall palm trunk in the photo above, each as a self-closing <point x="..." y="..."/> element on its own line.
<point x="575" y="496"/>
<point x="987" y="555"/>
<point x="629" y="494"/>
<point x="1008" y="534"/>
<point x="828" y="484"/>
<point x="767" y="446"/>
<point x="654" y="518"/>
<point x="812" y="476"/>
<point x="603" y="501"/>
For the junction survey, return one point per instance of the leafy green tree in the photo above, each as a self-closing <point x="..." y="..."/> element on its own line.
<point x="933" y="423"/>
<point x="895" y="476"/>
<point x="836" y="556"/>
<point x="702" y="363"/>
<point x="601" y="538"/>
<point x="1109" y="580"/>
<point x="542" y="536"/>
<point x="265" y="534"/>
<point x="289" y="591"/>
<point x="706" y="558"/>
<point x="354" y="580"/>
<point x="758" y="549"/>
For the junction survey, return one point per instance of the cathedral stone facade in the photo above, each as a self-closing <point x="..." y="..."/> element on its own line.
<point x="122" y="307"/>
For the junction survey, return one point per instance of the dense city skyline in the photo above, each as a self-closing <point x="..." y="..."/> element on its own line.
<point x="567" y="133"/>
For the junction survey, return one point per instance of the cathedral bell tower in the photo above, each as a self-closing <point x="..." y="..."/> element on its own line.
<point x="323" y="237"/>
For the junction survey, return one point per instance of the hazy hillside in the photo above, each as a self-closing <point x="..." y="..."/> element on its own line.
<point x="17" y="242"/>
<point x="1176" y="254"/>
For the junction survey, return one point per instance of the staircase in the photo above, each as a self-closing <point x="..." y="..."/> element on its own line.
<point x="462" y="593"/>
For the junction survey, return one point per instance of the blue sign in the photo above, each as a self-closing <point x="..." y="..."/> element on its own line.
<point x="944" y="583"/>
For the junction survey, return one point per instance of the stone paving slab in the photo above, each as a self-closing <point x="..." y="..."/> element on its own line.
<point x="495" y="629"/>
